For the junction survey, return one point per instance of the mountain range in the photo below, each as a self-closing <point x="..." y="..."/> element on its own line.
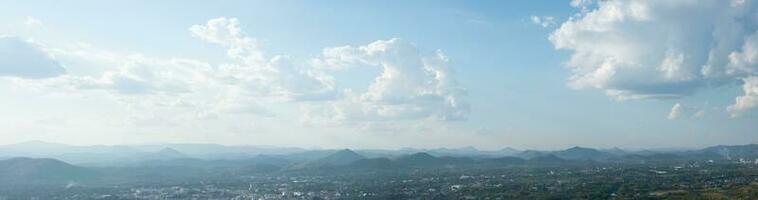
<point x="168" y="163"/>
<point x="296" y="158"/>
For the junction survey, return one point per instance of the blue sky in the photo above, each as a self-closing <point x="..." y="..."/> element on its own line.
<point x="513" y="81"/>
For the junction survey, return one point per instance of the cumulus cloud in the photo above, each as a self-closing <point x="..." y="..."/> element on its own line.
<point x="659" y="49"/>
<point x="227" y="32"/>
<point x="24" y="59"/>
<point x="749" y="101"/>
<point x="411" y="85"/>
<point x="745" y="61"/>
<point x="273" y="76"/>
<point x="678" y="111"/>
<point x="152" y="88"/>
<point x="544" y="22"/>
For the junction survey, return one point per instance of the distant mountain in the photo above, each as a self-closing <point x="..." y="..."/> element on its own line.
<point x="373" y="164"/>
<point x="339" y="158"/>
<point x="464" y="151"/>
<point x="749" y="151"/>
<point x="188" y="162"/>
<point x="546" y="159"/>
<point x="170" y="152"/>
<point x="258" y="168"/>
<point x="426" y="160"/>
<point x="663" y="157"/>
<point x="574" y="153"/>
<point x="528" y="154"/>
<point x="116" y="155"/>
<point x="650" y="158"/>
<point x="36" y="145"/>
<point x="418" y="159"/>
<point x="342" y="157"/>
<point x="40" y="170"/>
<point x="415" y="160"/>
<point x="219" y="163"/>
<point x="508" y="151"/>
<point x="68" y="153"/>
<point x="506" y="160"/>
<point x="136" y="155"/>
<point x="164" y="154"/>
<point x="615" y="151"/>
<point x="441" y="152"/>
<point x="47" y="148"/>
<point x="309" y="155"/>
<point x="217" y="151"/>
<point x="581" y="153"/>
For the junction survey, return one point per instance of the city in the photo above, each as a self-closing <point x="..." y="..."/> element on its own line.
<point x="721" y="172"/>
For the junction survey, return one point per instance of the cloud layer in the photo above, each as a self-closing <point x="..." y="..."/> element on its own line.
<point x="660" y="49"/>
<point x="413" y="85"/>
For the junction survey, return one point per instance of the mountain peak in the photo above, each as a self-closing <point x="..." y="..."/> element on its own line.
<point x="341" y="157"/>
<point x="582" y="153"/>
<point x="578" y="148"/>
<point x="168" y="150"/>
<point x="346" y="150"/>
<point x="421" y="155"/>
<point x="23" y="168"/>
<point x="166" y="154"/>
<point x="508" y="149"/>
<point x="346" y="153"/>
<point x="468" y="148"/>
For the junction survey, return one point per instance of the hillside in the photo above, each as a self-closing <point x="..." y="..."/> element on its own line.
<point x="33" y="170"/>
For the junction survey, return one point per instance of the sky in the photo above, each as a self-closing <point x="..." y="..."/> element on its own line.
<point x="381" y="74"/>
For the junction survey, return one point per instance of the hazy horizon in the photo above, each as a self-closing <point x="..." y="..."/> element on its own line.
<point x="544" y="75"/>
<point x="309" y="148"/>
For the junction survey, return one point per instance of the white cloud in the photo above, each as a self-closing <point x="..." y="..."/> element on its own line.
<point x="227" y="32"/>
<point x="140" y="75"/>
<point x="24" y="59"/>
<point x="749" y="101"/>
<point x="678" y="111"/>
<point x="699" y="114"/>
<point x="580" y="3"/>
<point x="152" y="88"/>
<point x="544" y="22"/>
<point x="278" y="76"/>
<point x="745" y="61"/>
<point x="413" y="88"/>
<point x="659" y="49"/>
<point x="32" y="22"/>
<point x="411" y="85"/>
